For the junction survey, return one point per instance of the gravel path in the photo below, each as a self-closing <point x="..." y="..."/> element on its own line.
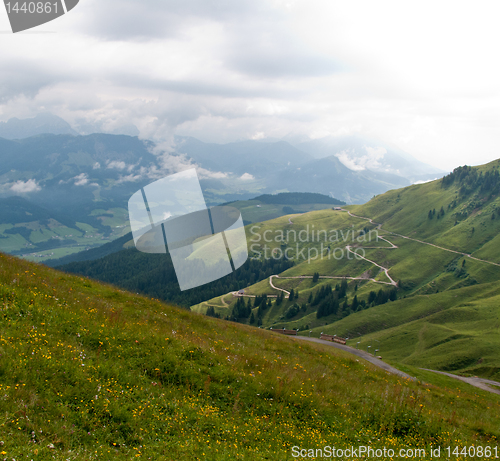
<point x="364" y="355"/>
<point x="476" y="382"/>
<point x="379" y="226"/>
<point x="480" y="383"/>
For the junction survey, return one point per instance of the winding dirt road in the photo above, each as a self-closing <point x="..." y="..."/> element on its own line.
<point x="475" y="381"/>
<point x="480" y="383"/>
<point x="385" y="269"/>
<point x="364" y="355"/>
<point x="276" y="288"/>
<point x="379" y="226"/>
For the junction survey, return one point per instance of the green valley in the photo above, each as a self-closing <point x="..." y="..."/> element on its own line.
<point x="38" y="234"/>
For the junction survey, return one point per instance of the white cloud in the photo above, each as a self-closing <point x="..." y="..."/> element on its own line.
<point x="376" y="153"/>
<point x="81" y="179"/>
<point x="171" y="164"/>
<point x="116" y="165"/>
<point x="357" y="162"/>
<point x="130" y="178"/>
<point x="96" y="166"/>
<point x="203" y="173"/>
<point x="247" y="177"/>
<point x="22" y="187"/>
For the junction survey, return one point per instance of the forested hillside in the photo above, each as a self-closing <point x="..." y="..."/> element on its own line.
<point x="154" y="275"/>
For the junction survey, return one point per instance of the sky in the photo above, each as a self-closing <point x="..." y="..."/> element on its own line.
<point x="422" y="76"/>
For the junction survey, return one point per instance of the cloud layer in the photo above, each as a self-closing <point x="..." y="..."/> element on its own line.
<point x="225" y="70"/>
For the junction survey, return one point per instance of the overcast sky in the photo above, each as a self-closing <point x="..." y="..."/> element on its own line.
<point x="423" y="76"/>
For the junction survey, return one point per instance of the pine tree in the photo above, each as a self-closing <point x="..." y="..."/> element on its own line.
<point x="263" y="303"/>
<point x="355" y="304"/>
<point x="382" y="297"/>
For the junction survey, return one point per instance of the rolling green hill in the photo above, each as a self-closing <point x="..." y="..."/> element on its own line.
<point x="91" y="372"/>
<point x="435" y="243"/>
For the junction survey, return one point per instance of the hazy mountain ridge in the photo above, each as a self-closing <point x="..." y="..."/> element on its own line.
<point x="47" y="123"/>
<point x="118" y="165"/>
<point x="279" y="166"/>
<point x="360" y="154"/>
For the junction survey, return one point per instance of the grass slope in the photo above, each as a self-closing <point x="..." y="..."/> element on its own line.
<point x="467" y="223"/>
<point x="91" y="372"/>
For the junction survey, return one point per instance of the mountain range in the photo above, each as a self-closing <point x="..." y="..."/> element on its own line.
<point x="89" y="179"/>
<point x="361" y="154"/>
<point x="45" y="123"/>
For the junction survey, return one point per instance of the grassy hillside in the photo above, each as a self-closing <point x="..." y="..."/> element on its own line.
<point x="433" y="241"/>
<point x="91" y="372"/>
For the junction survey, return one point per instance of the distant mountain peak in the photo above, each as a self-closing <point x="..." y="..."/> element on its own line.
<point x="44" y="123"/>
<point x="361" y="154"/>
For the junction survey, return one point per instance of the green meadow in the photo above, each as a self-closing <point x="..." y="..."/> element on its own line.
<point x="90" y="372"/>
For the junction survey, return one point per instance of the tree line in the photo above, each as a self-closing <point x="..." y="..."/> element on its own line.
<point x="154" y="275"/>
